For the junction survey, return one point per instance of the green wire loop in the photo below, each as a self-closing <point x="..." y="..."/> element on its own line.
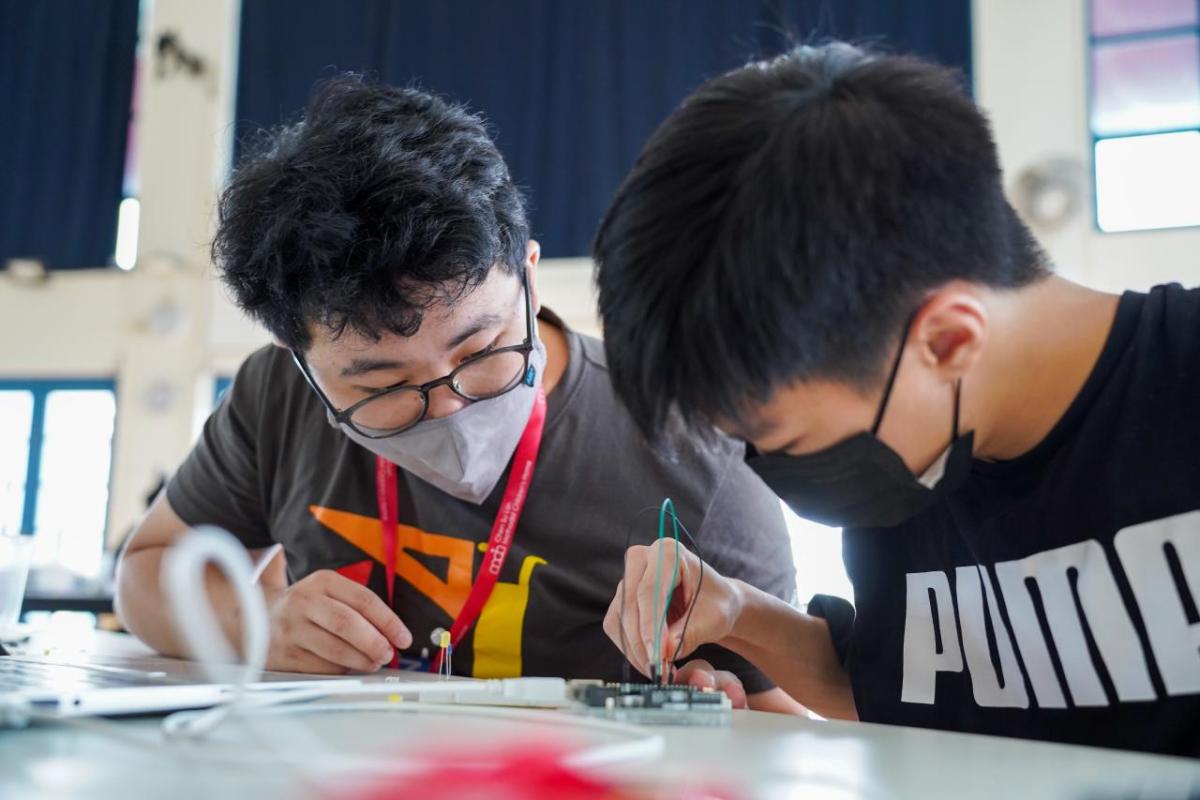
<point x="667" y="508"/>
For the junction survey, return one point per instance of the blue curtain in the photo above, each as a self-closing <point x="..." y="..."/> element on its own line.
<point x="572" y="88"/>
<point x="66" y="77"/>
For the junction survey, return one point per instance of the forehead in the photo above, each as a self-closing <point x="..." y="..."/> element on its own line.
<point x="802" y="404"/>
<point x="495" y="296"/>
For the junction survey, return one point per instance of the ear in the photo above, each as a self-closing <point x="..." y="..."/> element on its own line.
<point x="951" y="329"/>
<point x="533" y="255"/>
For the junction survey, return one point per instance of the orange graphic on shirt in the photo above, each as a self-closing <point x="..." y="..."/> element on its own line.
<point x="500" y="627"/>
<point x="363" y="532"/>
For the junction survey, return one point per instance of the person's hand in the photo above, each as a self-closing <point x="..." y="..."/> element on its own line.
<point x="327" y="623"/>
<point x="703" y="675"/>
<point x="633" y="627"/>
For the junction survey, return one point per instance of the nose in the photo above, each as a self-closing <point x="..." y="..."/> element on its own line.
<point x="443" y="402"/>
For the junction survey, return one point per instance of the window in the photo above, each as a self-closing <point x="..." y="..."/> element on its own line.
<point x="1145" y="113"/>
<point x="817" y="553"/>
<point x="55" y="462"/>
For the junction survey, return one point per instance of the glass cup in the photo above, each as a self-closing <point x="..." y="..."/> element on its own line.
<point x="15" y="553"/>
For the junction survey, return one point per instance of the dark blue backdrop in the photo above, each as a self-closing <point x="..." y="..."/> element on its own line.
<point x="572" y="87"/>
<point x="66" y="76"/>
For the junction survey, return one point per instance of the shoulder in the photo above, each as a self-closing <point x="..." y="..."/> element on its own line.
<point x="713" y="463"/>
<point x="719" y="459"/>
<point x="268" y="361"/>
<point x="1174" y="314"/>
<point x="1166" y="343"/>
<point x="591" y="350"/>
<point x="267" y="387"/>
<point x="268" y="371"/>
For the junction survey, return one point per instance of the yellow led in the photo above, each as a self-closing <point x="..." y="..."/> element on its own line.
<point x="445" y="639"/>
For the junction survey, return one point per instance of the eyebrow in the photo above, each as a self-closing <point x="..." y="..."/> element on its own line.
<point x="480" y="323"/>
<point x="361" y="366"/>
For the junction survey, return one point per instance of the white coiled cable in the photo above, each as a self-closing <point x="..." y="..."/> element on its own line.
<point x="183" y="578"/>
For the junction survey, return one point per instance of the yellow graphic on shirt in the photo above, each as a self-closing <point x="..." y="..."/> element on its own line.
<point x="498" y="631"/>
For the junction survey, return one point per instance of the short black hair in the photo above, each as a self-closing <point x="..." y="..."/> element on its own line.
<point x="377" y="203"/>
<point x="785" y="220"/>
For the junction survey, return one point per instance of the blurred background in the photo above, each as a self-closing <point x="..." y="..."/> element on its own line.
<point x="120" y="120"/>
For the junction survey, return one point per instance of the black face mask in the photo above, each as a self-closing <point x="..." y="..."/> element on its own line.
<point x="860" y="482"/>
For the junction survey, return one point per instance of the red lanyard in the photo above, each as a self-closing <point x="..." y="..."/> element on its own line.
<point x="515" y="492"/>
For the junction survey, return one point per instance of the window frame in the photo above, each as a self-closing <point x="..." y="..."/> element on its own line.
<point x="41" y="389"/>
<point x="1093" y="40"/>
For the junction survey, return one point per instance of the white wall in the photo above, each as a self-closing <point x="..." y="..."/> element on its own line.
<point x="185" y="131"/>
<point x="1031" y="77"/>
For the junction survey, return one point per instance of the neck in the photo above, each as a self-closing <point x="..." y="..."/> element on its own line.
<point x="1035" y="365"/>
<point x="557" y="353"/>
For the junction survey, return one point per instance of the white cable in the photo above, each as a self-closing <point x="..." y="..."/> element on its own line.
<point x="507" y="692"/>
<point x="183" y="578"/>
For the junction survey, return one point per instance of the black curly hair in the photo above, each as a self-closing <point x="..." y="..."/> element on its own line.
<point x="379" y="202"/>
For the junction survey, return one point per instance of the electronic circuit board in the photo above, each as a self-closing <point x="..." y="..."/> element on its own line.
<point x="651" y="703"/>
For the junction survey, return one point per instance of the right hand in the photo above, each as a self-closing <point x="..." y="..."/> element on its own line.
<point x="632" y="627"/>
<point x="326" y="623"/>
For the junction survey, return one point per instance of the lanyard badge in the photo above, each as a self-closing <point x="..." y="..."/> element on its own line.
<point x="503" y="528"/>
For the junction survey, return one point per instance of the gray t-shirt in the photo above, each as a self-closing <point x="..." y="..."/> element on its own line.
<point x="270" y="468"/>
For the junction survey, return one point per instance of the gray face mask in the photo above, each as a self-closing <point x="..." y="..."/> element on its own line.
<point x="465" y="453"/>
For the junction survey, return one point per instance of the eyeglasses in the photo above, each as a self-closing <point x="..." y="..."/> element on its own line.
<point x="399" y="408"/>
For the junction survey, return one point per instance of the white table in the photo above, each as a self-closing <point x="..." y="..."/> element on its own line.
<point x="759" y="755"/>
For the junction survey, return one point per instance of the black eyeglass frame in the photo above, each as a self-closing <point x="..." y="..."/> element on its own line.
<point x="344" y="416"/>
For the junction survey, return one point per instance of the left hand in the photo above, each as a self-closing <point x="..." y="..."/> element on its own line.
<point x="703" y="675"/>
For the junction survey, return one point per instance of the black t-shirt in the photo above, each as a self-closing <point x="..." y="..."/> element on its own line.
<point x="270" y="468"/>
<point x="1053" y="596"/>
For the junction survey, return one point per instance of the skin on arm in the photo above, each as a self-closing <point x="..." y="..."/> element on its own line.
<point x="140" y="601"/>
<point x="323" y="623"/>
<point x="791" y="648"/>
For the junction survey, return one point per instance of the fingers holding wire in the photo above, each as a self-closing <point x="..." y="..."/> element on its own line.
<point x="616" y="618"/>
<point x="637" y="613"/>
<point x="650" y="613"/>
<point x="653" y="599"/>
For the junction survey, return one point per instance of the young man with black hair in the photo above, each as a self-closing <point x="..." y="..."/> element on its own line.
<point x="815" y="254"/>
<point x="432" y="452"/>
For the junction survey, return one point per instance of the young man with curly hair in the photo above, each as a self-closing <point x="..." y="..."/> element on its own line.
<point x="433" y="449"/>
